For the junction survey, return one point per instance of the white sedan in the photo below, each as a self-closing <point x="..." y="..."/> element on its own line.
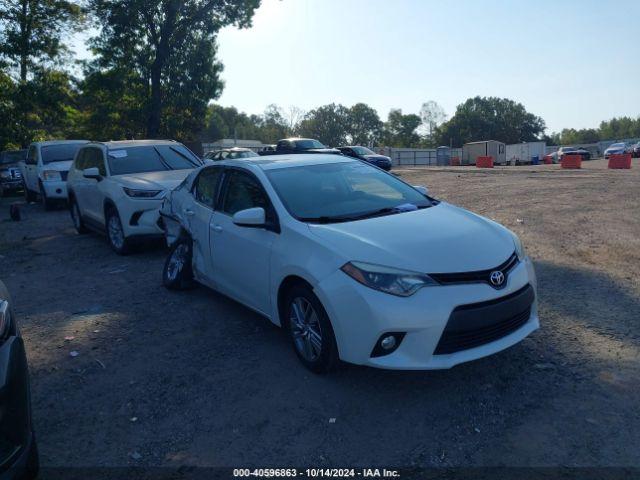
<point x="354" y="263"/>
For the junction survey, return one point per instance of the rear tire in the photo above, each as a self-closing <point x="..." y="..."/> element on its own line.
<point x="178" y="268"/>
<point x="310" y="330"/>
<point x="115" y="233"/>
<point x="76" y="217"/>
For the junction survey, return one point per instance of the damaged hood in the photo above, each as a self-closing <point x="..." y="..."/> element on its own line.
<point x="439" y="239"/>
<point x="163" y="180"/>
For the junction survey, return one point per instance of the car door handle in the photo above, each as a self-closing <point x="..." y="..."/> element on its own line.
<point x="188" y="212"/>
<point x="217" y="228"/>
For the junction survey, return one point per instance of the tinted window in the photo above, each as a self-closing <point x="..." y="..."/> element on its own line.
<point x="346" y="189"/>
<point x="306" y="144"/>
<point x="150" y="158"/>
<point x="93" y="158"/>
<point x="31" y="156"/>
<point x="59" y="153"/>
<point x="13" y="156"/>
<point x="80" y="162"/>
<point x="363" y="151"/>
<point x="206" y="186"/>
<point x="243" y="191"/>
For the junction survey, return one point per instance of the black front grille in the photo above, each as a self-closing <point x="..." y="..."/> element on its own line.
<point x="476" y="324"/>
<point x="64" y="176"/>
<point x="479" y="276"/>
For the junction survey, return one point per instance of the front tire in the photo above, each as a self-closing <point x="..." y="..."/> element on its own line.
<point x="29" y="196"/>
<point x="115" y="233"/>
<point x="178" y="271"/>
<point x="310" y="330"/>
<point x="76" y="217"/>
<point x="46" y="202"/>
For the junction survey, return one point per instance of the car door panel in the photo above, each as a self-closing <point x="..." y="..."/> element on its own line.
<point x="241" y="255"/>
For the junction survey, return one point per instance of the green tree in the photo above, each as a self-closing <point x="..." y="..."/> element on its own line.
<point x="490" y="118"/>
<point x="364" y="126"/>
<point x="32" y="32"/>
<point x="328" y="123"/>
<point x="400" y="130"/>
<point x="432" y="115"/>
<point x="166" y="42"/>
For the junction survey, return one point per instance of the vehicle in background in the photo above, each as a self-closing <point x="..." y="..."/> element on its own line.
<point x="363" y="153"/>
<point x="302" y="145"/>
<point x="118" y="187"/>
<point x="230" y="153"/>
<point x="562" y="151"/>
<point x="618" y="149"/>
<point x="18" y="448"/>
<point x="45" y="170"/>
<point x="636" y="150"/>
<point x="10" y="174"/>
<point x="267" y="150"/>
<point x="333" y="250"/>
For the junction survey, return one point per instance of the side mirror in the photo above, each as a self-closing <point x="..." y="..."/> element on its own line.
<point x="251" y="217"/>
<point x="92" y="172"/>
<point x="422" y="189"/>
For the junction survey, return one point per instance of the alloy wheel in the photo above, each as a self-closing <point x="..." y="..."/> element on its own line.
<point x="177" y="261"/>
<point x="116" y="235"/>
<point x="305" y="328"/>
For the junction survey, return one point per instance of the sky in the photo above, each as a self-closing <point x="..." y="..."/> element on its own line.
<point x="572" y="62"/>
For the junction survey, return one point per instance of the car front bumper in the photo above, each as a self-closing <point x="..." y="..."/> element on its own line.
<point x="55" y="189"/>
<point x="16" y="431"/>
<point x="360" y="316"/>
<point x="140" y="217"/>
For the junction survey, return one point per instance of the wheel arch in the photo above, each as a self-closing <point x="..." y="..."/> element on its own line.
<point x="285" y="285"/>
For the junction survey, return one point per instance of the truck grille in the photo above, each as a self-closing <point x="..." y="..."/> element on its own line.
<point x="476" y="324"/>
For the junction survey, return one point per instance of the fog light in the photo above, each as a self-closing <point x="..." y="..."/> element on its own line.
<point x="387" y="343"/>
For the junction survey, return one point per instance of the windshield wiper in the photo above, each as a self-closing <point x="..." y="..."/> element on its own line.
<point x="375" y="213"/>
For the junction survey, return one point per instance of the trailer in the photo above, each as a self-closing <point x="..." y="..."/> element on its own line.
<point x="486" y="148"/>
<point x="523" y="153"/>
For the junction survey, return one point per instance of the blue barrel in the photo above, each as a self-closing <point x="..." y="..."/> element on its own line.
<point x="535" y="160"/>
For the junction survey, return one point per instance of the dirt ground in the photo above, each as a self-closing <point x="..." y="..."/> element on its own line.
<point x="165" y="378"/>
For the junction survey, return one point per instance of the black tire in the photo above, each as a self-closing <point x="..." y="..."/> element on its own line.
<point x="118" y="242"/>
<point x="76" y="218"/>
<point x="177" y="273"/>
<point x="29" y="196"/>
<point x="46" y="202"/>
<point x="326" y="357"/>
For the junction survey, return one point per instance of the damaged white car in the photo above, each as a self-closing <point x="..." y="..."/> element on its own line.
<point x="354" y="263"/>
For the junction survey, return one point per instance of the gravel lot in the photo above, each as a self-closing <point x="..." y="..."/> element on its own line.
<point x="165" y="378"/>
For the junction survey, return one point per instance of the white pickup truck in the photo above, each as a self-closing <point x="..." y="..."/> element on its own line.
<point x="45" y="170"/>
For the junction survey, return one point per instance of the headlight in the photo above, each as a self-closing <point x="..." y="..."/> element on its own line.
<point x="519" y="247"/>
<point x="49" y="175"/>
<point x="386" y="279"/>
<point x="132" y="192"/>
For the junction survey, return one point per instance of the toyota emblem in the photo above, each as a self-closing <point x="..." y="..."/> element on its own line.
<point x="496" y="278"/>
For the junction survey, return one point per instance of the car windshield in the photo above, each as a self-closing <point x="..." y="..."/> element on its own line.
<point x="617" y="145"/>
<point x="63" y="152"/>
<point x="569" y="149"/>
<point x="14" y="156"/>
<point x="362" y="151"/>
<point x="242" y="154"/>
<point x="151" y="158"/>
<point x="341" y="192"/>
<point x="306" y="144"/>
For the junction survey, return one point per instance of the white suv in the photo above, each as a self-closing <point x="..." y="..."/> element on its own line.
<point x="45" y="169"/>
<point x="118" y="187"/>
